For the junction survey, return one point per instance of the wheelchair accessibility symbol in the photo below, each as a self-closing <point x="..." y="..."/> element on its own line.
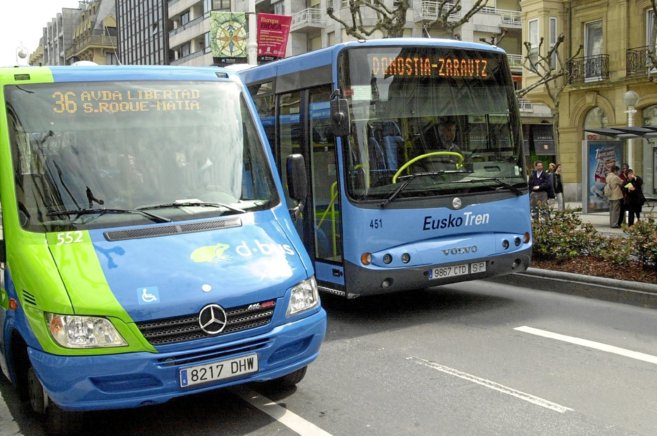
<point x="148" y="295"/>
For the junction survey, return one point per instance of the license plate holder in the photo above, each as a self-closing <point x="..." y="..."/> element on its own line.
<point x="219" y="370"/>
<point x="444" y="272"/>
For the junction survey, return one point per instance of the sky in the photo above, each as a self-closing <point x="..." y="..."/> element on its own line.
<point x="22" y="22"/>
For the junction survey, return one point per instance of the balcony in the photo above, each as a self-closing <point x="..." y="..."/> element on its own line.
<point x="510" y="19"/>
<point x="637" y="62"/>
<point x="515" y="61"/>
<point x="90" y="42"/>
<point x="588" y="69"/>
<point x="308" y="20"/>
<point x="431" y="8"/>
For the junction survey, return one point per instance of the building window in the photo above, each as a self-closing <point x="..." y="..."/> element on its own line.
<point x="595" y="119"/>
<point x="553" y="40"/>
<point x="532" y="28"/>
<point x="184" y="18"/>
<point x="110" y="58"/>
<point x="185" y="49"/>
<point x="279" y="8"/>
<point x="593" y="49"/>
<point x="216" y="5"/>
<point x="651" y="40"/>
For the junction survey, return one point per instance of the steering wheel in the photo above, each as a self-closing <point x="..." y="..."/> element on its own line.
<point x="458" y="156"/>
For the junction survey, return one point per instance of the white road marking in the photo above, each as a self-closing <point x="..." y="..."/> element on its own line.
<point x="492" y="385"/>
<point x="590" y="344"/>
<point x="8" y="424"/>
<point x="289" y="419"/>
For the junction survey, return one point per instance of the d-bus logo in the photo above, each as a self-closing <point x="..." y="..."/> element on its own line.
<point x="210" y="253"/>
<point x="221" y="252"/>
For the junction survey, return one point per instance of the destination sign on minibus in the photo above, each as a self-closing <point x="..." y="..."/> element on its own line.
<point x="426" y="66"/>
<point x="125" y="100"/>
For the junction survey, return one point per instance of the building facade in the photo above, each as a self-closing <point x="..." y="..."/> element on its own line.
<point x="56" y="38"/>
<point x="143" y="36"/>
<point x="607" y="42"/>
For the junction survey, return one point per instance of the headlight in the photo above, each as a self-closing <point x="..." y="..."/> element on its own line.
<point x="83" y="331"/>
<point x="304" y="296"/>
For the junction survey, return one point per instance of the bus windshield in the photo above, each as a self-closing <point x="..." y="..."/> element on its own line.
<point x="437" y="120"/>
<point x="99" y="154"/>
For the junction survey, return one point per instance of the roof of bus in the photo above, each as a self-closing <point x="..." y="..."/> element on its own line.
<point x="71" y="73"/>
<point x="325" y="55"/>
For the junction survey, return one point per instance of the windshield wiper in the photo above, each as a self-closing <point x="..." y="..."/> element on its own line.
<point x="191" y="203"/>
<point x="102" y="211"/>
<point x="410" y="177"/>
<point x="500" y="182"/>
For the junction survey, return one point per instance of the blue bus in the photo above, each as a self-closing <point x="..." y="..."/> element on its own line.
<point x="148" y="250"/>
<point x="396" y="203"/>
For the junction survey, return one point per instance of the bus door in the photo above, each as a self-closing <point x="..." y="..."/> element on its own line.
<point x="304" y="127"/>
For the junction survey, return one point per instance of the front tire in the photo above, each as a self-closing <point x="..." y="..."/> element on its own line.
<point x="56" y="421"/>
<point x="288" y="381"/>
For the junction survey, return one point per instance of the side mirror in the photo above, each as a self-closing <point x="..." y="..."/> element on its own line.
<point x="297" y="181"/>
<point x="340" y="115"/>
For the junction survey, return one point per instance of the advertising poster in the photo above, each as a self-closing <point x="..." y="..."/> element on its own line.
<point x="273" y="31"/>
<point x="228" y="37"/>
<point x="599" y="158"/>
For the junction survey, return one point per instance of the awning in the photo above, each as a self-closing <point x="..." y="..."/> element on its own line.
<point x="626" y="132"/>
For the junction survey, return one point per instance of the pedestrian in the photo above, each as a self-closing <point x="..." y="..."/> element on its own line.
<point x="623" y="177"/>
<point x="558" y="187"/>
<point x="615" y="196"/>
<point x="634" y="198"/>
<point x="539" y="185"/>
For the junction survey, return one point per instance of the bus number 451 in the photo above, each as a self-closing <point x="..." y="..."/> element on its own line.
<point x="376" y="223"/>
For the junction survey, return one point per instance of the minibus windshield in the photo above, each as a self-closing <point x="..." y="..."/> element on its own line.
<point x="99" y="154"/>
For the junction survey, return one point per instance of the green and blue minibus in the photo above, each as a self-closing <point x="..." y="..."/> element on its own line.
<point x="147" y="248"/>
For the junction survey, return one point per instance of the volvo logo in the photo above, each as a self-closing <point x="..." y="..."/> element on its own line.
<point x="460" y="250"/>
<point x="456" y="203"/>
<point x="212" y="319"/>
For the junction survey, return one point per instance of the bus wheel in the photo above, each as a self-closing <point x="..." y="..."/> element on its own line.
<point x="288" y="381"/>
<point x="56" y="420"/>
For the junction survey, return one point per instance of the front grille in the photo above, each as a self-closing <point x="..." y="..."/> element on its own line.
<point x="187" y="328"/>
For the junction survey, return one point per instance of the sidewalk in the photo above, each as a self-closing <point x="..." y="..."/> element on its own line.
<point x="618" y="291"/>
<point x="600" y="221"/>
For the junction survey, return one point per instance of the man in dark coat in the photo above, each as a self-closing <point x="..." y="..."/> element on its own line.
<point x="539" y="185"/>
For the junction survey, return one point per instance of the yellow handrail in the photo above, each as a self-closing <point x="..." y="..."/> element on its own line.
<point x="331" y="209"/>
<point x="458" y="164"/>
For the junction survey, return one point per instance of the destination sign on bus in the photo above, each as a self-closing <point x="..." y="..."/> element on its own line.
<point x="425" y="66"/>
<point x="125" y="100"/>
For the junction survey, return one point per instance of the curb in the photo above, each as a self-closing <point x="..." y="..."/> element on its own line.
<point x="617" y="291"/>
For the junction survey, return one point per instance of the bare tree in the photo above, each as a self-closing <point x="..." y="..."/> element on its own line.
<point x="390" y="22"/>
<point x="552" y="72"/>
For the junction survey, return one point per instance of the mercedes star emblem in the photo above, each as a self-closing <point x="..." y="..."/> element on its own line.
<point x="212" y="319"/>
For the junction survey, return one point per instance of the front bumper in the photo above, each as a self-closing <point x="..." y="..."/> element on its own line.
<point x="139" y="379"/>
<point x="364" y="281"/>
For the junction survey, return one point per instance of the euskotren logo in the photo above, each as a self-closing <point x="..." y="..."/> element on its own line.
<point x="222" y="252"/>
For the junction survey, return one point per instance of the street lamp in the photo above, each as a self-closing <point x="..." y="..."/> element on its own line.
<point x="631" y="99"/>
<point x="21" y="55"/>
